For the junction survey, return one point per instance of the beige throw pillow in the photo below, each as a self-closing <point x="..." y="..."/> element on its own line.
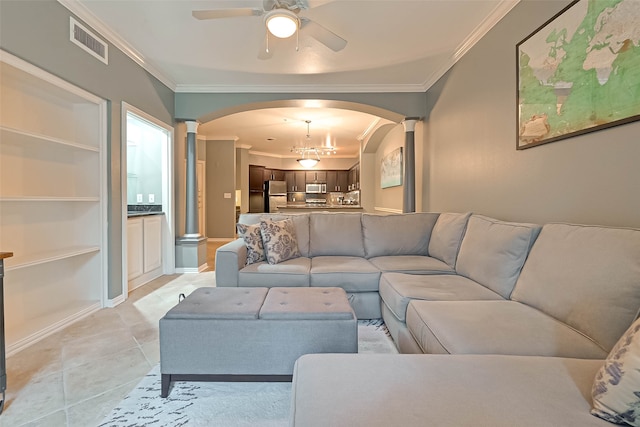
<point x="616" y="390"/>
<point x="279" y="239"/>
<point x="253" y="240"/>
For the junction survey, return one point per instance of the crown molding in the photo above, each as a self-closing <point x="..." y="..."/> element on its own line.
<point x="499" y="12"/>
<point x="112" y="37"/>
<point x="244" y="146"/>
<point x="311" y="88"/>
<point x="291" y="156"/>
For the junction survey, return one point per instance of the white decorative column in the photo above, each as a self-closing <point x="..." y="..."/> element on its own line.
<point x="191" y="215"/>
<point x="191" y="248"/>
<point x="409" y="192"/>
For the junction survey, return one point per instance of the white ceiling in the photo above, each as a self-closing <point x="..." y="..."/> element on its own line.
<point x="393" y="46"/>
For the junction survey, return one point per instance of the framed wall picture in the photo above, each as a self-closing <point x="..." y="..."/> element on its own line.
<point x="579" y="72"/>
<point x="391" y="169"/>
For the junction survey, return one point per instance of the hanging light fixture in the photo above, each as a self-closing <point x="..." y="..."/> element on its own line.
<point x="282" y="23"/>
<point x="310" y="156"/>
<point x="307" y="161"/>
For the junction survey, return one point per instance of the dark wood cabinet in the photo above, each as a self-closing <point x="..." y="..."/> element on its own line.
<point x="256" y="178"/>
<point x="273" y="175"/>
<point x="332" y="181"/>
<point x="296" y="181"/>
<point x="354" y="178"/>
<point x="316" y="176"/>
<point x="342" y="180"/>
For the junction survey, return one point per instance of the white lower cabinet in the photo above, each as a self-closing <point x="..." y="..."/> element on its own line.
<point x="144" y="249"/>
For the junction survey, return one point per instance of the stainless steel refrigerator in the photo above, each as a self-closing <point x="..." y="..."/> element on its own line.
<point x="275" y="195"/>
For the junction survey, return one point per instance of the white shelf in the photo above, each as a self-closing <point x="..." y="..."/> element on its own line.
<point x="22" y="136"/>
<point x="47" y="199"/>
<point x="44" y="257"/>
<point x="40" y="327"/>
<point x="53" y="201"/>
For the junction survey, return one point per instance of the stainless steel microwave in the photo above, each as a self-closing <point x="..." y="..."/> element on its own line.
<point x="316" y="188"/>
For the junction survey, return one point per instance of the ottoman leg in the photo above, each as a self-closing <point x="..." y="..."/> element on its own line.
<point x="166" y="382"/>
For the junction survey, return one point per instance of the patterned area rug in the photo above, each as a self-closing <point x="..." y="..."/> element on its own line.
<point x="224" y="404"/>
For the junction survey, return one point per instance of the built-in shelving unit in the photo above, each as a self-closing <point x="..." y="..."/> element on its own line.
<point x="52" y="201"/>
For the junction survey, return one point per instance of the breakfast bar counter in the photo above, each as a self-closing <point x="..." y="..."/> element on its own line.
<point x="293" y="208"/>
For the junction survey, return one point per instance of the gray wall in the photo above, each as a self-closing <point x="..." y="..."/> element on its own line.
<point x="38" y="32"/>
<point x="471" y="137"/>
<point x="221" y="174"/>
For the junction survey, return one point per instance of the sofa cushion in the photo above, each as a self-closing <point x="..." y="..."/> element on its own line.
<point x="493" y="252"/>
<point x="335" y="234"/>
<point x="398" y="289"/>
<point x="353" y="274"/>
<point x="494" y="327"/>
<point x="252" y="238"/>
<point x="412" y="264"/>
<point x="279" y="240"/>
<point x="293" y="272"/>
<point x="585" y="276"/>
<point x="446" y="236"/>
<point x="381" y="390"/>
<point x="616" y="389"/>
<point x="406" y="234"/>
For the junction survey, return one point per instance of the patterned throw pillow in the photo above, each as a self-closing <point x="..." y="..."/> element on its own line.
<point x="253" y="239"/>
<point x="616" y="390"/>
<point x="279" y="238"/>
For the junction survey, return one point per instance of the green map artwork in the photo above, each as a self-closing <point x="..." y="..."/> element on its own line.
<point x="580" y="72"/>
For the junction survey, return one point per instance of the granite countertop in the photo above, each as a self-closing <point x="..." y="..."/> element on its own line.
<point x="136" y="214"/>
<point x="143" y="210"/>
<point x="321" y="206"/>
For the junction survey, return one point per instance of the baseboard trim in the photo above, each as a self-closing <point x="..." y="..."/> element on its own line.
<point x="389" y="210"/>
<point x="115" y="301"/>
<point x="192" y="270"/>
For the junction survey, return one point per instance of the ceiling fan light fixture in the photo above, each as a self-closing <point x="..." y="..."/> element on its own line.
<point x="282" y="23"/>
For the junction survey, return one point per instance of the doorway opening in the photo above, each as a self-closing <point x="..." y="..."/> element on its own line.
<point x="148" y="206"/>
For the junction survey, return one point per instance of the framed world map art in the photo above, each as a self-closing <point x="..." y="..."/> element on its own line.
<point x="579" y="72"/>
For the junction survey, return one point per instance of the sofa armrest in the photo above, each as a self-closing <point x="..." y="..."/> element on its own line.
<point x="230" y="259"/>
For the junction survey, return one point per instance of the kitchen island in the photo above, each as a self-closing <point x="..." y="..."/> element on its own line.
<point x="315" y="207"/>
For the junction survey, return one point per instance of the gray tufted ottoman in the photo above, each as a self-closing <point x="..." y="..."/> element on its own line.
<point x="252" y="334"/>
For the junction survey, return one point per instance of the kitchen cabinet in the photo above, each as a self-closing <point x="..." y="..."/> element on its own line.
<point x="52" y="201"/>
<point x="343" y="180"/>
<point x="354" y="178"/>
<point x="316" y="176"/>
<point x="144" y="249"/>
<point x="256" y="188"/>
<point x="296" y="181"/>
<point x="273" y="175"/>
<point x="256" y="178"/>
<point x="337" y="180"/>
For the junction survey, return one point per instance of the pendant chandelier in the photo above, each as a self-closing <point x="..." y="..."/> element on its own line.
<point x="310" y="156"/>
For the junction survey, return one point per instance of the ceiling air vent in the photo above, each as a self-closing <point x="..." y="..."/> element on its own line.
<point x="88" y="41"/>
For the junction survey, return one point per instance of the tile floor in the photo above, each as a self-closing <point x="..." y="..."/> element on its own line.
<point x="76" y="376"/>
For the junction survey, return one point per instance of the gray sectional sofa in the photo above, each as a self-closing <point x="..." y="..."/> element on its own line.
<point x="497" y="305"/>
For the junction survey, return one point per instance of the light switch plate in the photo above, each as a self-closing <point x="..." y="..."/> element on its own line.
<point x="227" y="195"/>
<point x="152" y="198"/>
<point x="139" y="198"/>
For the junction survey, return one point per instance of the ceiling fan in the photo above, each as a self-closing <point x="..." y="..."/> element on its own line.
<point x="282" y="19"/>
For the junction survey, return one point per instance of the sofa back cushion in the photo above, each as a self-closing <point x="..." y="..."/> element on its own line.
<point x="493" y="252"/>
<point x="405" y="234"/>
<point x="335" y="234"/>
<point x="446" y="237"/>
<point x="300" y="223"/>
<point x="585" y="276"/>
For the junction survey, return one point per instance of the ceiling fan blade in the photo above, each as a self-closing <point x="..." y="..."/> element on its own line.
<point x="323" y="35"/>
<point x="225" y="13"/>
